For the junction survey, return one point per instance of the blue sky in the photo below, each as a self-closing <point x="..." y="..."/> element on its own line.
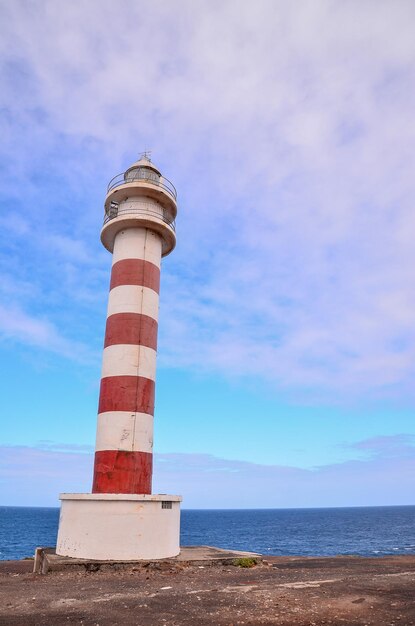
<point x="287" y="321"/>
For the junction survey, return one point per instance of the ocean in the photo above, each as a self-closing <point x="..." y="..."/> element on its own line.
<point x="366" y="531"/>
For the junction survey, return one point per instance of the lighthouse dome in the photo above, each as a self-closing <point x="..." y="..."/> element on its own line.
<point x="143" y="169"/>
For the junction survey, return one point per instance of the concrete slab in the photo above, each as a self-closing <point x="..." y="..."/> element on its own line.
<point x="46" y="560"/>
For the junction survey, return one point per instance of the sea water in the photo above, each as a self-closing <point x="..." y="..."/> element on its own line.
<point x="367" y="531"/>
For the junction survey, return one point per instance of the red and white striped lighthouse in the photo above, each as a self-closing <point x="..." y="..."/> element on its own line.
<point x="140" y="209"/>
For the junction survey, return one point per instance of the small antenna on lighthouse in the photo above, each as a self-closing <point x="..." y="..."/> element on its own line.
<point x="146" y="155"/>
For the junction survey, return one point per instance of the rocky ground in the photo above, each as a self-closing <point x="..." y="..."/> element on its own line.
<point x="287" y="591"/>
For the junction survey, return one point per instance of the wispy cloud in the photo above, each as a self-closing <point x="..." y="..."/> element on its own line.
<point x="288" y="129"/>
<point x="35" y="475"/>
<point x="401" y="446"/>
<point x="64" y="447"/>
<point x="16" y="325"/>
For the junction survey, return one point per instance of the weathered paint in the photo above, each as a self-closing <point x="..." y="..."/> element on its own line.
<point x="131" y="328"/>
<point x="120" y="430"/>
<point x="129" y="360"/>
<point x="135" y="272"/>
<point x="120" y="471"/>
<point x="133" y="299"/>
<point x="137" y="243"/>
<point x="127" y="393"/>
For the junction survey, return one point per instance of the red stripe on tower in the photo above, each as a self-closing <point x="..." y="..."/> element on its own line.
<point x="131" y="328"/>
<point x="117" y="471"/>
<point x="135" y="272"/>
<point x="134" y="394"/>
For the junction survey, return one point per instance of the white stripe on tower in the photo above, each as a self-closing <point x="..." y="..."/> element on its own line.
<point x="129" y="360"/>
<point x="137" y="243"/>
<point x="133" y="299"/>
<point x="133" y="431"/>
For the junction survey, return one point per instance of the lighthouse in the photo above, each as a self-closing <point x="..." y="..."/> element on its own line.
<point x="121" y="519"/>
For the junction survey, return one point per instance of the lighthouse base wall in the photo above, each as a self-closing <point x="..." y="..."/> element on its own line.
<point x="119" y="527"/>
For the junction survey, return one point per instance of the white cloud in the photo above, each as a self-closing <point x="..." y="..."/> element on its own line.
<point x="16" y="325"/>
<point x="288" y="129"/>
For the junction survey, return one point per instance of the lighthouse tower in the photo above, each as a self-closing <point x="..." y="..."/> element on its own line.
<point x="121" y="519"/>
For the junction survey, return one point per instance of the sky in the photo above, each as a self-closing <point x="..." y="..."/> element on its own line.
<point x="286" y="353"/>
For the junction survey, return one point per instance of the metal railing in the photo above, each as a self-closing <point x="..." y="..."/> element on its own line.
<point x="162" y="182"/>
<point x="114" y="212"/>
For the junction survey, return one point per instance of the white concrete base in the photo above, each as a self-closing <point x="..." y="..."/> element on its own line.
<point x="119" y="527"/>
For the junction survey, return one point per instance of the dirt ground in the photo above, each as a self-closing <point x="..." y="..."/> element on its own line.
<point x="287" y="591"/>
